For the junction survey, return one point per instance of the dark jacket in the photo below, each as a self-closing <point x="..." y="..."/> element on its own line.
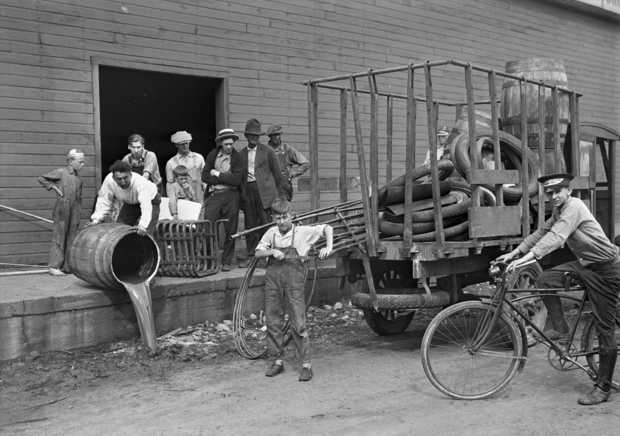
<point x="267" y="173"/>
<point x="234" y="177"/>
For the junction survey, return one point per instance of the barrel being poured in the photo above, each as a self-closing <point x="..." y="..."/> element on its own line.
<point x="114" y="256"/>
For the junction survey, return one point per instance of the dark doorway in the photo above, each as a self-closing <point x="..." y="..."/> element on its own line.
<point x="154" y="105"/>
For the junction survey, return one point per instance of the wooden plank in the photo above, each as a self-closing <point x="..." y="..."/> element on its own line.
<point x="485" y="222"/>
<point x="46" y="116"/>
<point x="44" y="148"/>
<point x="582" y="182"/>
<point x="493" y="177"/>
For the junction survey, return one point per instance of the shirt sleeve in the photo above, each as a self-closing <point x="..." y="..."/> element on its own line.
<point x="146" y="193"/>
<point x="316" y="233"/>
<point x="557" y="235"/>
<point x="105" y="200"/>
<point x="172" y="200"/>
<point x="50" y="179"/>
<point x="265" y="241"/>
<point x="300" y="160"/>
<point x="150" y="164"/>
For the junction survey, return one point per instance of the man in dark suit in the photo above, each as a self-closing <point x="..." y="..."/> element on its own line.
<point x="261" y="184"/>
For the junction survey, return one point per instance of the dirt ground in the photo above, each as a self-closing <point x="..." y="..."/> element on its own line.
<point x="363" y="385"/>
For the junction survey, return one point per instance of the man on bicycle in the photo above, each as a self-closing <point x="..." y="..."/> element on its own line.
<point x="597" y="265"/>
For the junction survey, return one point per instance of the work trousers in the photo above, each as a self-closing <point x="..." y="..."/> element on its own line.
<point x="255" y="215"/>
<point x="284" y="287"/>
<point x="130" y="214"/>
<point x="224" y="205"/>
<point x="602" y="285"/>
<point x="66" y="219"/>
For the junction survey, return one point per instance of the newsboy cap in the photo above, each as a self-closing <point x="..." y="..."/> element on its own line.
<point x="181" y="137"/>
<point x="274" y="129"/>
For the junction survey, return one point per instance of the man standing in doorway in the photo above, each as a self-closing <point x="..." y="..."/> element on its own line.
<point x="223" y="174"/>
<point x="292" y="163"/>
<point x="143" y="162"/>
<point x="137" y="196"/>
<point x="193" y="161"/>
<point x="261" y="184"/>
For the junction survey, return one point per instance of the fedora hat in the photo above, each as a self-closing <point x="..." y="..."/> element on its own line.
<point x="227" y="133"/>
<point x="253" y="127"/>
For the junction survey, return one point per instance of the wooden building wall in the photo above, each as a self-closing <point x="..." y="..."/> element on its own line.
<point x="263" y="49"/>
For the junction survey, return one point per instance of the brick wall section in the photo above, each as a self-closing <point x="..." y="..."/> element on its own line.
<point x="266" y="49"/>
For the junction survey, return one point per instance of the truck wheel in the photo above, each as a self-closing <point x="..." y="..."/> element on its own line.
<point x="388" y="322"/>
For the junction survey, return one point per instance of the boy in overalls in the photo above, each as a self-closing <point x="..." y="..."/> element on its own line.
<point x="285" y="246"/>
<point x="181" y="190"/>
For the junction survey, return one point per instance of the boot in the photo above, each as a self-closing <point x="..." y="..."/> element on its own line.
<point x="602" y="388"/>
<point x="556" y="313"/>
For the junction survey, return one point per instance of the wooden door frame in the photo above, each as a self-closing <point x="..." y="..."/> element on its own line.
<point x="222" y="119"/>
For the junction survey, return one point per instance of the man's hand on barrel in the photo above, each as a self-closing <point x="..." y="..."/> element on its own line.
<point x="91" y="223"/>
<point x="140" y="230"/>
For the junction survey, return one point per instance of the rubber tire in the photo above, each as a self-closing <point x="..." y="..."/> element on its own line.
<point x="427" y="364"/>
<point x="510" y="145"/>
<point x="444" y="166"/>
<point x="386" y="301"/>
<point x="382" y="326"/>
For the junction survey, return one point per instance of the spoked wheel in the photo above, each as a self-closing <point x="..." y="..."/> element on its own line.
<point x="589" y="342"/>
<point x="390" y="322"/>
<point x="532" y="307"/>
<point x="456" y="365"/>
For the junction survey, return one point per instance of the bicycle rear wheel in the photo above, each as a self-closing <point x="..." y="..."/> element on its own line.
<point x="589" y="343"/>
<point x="455" y="368"/>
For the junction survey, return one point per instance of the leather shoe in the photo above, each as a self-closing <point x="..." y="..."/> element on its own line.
<point x="245" y="264"/>
<point x="306" y="374"/>
<point x="274" y="370"/>
<point x="225" y="267"/>
<point x="597" y="396"/>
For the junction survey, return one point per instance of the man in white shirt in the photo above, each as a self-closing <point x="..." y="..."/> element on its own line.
<point x="137" y="197"/>
<point x="194" y="162"/>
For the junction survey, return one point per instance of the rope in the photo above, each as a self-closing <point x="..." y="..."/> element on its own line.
<point x="239" y="322"/>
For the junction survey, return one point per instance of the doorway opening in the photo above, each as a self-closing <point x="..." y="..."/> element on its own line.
<point x="155" y="105"/>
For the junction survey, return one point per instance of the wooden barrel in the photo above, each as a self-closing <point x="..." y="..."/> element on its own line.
<point x="103" y="253"/>
<point x="552" y="72"/>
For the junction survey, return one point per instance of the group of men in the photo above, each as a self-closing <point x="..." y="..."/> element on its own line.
<point x="228" y="181"/>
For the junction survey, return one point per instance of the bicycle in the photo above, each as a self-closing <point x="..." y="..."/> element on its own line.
<point x="473" y="349"/>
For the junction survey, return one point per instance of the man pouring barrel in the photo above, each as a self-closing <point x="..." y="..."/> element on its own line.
<point x="137" y="196"/>
<point x="597" y="265"/>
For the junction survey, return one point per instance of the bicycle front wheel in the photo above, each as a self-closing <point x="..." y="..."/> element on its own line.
<point x="459" y="370"/>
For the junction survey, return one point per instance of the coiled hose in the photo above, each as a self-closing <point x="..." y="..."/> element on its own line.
<point x="239" y="321"/>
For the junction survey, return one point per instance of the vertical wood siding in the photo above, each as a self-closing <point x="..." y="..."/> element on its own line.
<point x="266" y="48"/>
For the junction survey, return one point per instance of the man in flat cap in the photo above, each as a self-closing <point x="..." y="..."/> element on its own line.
<point x="597" y="265"/>
<point x="292" y="163"/>
<point x="67" y="183"/>
<point x="143" y="162"/>
<point x="223" y="174"/>
<point x="442" y="137"/>
<point x="194" y="162"/>
<point x="261" y="184"/>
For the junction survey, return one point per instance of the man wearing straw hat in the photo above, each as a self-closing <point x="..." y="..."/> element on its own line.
<point x="223" y="173"/>
<point x="261" y="184"/>
<point x="67" y="183"/>
<point x="597" y="265"/>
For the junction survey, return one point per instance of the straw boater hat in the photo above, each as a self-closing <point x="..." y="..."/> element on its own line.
<point x="253" y="127"/>
<point x="181" y="137"/>
<point x="227" y="133"/>
<point x="558" y="180"/>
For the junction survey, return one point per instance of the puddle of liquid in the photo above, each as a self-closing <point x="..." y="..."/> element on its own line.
<point x="140" y="293"/>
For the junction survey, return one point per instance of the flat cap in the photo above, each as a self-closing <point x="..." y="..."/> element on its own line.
<point x="557" y="180"/>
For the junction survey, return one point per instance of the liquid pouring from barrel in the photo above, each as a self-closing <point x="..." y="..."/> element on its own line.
<point x="114" y="256"/>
